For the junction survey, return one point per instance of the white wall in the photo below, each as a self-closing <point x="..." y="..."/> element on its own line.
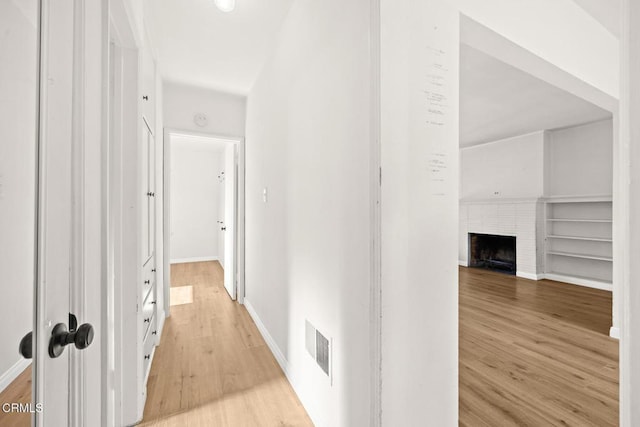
<point x="225" y="112"/>
<point x="579" y="160"/>
<point x="18" y="56"/>
<point x="307" y="247"/>
<point x="420" y="56"/>
<point x="195" y="198"/>
<point x="512" y="168"/>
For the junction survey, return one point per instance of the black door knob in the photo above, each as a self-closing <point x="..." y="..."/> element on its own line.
<point x="223" y="228"/>
<point x="61" y="337"/>
<point x="26" y="346"/>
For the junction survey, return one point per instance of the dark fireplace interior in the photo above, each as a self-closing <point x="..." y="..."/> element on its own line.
<point x="493" y="252"/>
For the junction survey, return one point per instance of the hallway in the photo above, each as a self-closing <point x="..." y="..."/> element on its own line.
<point x="212" y="367"/>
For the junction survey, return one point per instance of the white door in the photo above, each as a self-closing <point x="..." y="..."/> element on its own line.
<point x="230" y="207"/>
<point x="65" y="247"/>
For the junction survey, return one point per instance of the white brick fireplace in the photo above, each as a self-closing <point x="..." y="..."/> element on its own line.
<point x="522" y="218"/>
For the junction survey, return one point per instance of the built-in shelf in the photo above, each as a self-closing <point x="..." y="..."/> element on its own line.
<point x="603" y="221"/>
<point x="584" y="256"/>
<point x="592" y="239"/>
<point x="578" y="243"/>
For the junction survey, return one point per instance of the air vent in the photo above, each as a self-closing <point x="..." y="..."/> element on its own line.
<point x="319" y="347"/>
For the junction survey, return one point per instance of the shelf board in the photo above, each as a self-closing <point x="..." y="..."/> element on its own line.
<point x="604" y="221"/>
<point x="583" y="256"/>
<point x="592" y="239"/>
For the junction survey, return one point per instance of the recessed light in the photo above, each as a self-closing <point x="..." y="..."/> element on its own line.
<point x="225" y="5"/>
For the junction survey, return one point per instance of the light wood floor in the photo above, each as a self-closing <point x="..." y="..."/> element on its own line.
<point x="531" y="354"/>
<point x="212" y="367"/>
<point x="535" y="353"/>
<point x="19" y="391"/>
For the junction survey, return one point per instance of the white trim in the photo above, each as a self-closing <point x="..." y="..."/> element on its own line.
<point x="614" y="332"/>
<point x="271" y="343"/>
<point x="530" y="276"/>
<point x="463" y="263"/>
<point x="194" y="259"/>
<point x="12" y="373"/>
<point x="588" y="283"/>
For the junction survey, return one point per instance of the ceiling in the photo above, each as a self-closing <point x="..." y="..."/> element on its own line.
<point x="607" y="12"/>
<point x="498" y="101"/>
<point x="202" y="46"/>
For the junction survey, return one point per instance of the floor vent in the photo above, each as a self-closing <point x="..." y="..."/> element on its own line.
<point x="319" y="347"/>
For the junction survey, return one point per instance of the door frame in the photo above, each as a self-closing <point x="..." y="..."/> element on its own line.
<point x="239" y="201"/>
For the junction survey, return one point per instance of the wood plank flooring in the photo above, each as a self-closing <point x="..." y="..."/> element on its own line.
<point x="531" y="354"/>
<point x="19" y="391"/>
<point x="212" y="367"/>
<point x="535" y="353"/>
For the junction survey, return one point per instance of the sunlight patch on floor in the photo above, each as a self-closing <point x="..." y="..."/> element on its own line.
<point x="181" y="295"/>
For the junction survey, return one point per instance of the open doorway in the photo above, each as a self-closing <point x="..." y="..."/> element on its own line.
<point x="201" y="205"/>
<point x="535" y="243"/>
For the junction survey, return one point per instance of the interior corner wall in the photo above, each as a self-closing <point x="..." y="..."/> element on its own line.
<point x="225" y="113"/>
<point x="508" y="168"/>
<point x="580" y="160"/>
<point x="308" y="245"/>
<point x="18" y="42"/>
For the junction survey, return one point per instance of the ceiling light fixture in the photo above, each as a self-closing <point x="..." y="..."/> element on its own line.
<point x="225" y="5"/>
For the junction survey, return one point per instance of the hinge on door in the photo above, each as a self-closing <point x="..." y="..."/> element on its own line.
<point x="380" y="176"/>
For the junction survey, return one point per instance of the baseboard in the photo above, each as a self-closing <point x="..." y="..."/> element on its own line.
<point x="614" y="332"/>
<point x="196" y="259"/>
<point x="277" y="353"/>
<point x="588" y="283"/>
<point x="530" y="276"/>
<point x="271" y="343"/>
<point x="12" y="373"/>
<point x="462" y="263"/>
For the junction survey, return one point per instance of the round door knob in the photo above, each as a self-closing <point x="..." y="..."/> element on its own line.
<point x="83" y="336"/>
<point x="61" y="337"/>
<point x="26" y="346"/>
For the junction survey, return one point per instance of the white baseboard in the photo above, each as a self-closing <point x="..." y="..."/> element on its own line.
<point x="530" y="276"/>
<point x="196" y="259"/>
<point x="271" y="343"/>
<point x="614" y="332"/>
<point x="588" y="283"/>
<point x="462" y="263"/>
<point x="12" y="373"/>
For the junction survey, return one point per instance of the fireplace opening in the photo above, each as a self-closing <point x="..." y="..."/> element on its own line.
<point x="493" y="252"/>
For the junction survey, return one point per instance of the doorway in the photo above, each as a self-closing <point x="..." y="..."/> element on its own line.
<point x="203" y="217"/>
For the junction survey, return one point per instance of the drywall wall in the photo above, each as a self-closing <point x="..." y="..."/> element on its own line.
<point x="225" y="113"/>
<point x="18" y="82"/>
<point x="195" y="193"/>
<point x="420" y="75"/>
<point x="508" y="168"/>
<point x="579" y="160"/>
<point x="307" y="245"/>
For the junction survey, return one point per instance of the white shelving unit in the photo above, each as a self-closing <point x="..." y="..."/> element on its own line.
<point x="578" y="240"/>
